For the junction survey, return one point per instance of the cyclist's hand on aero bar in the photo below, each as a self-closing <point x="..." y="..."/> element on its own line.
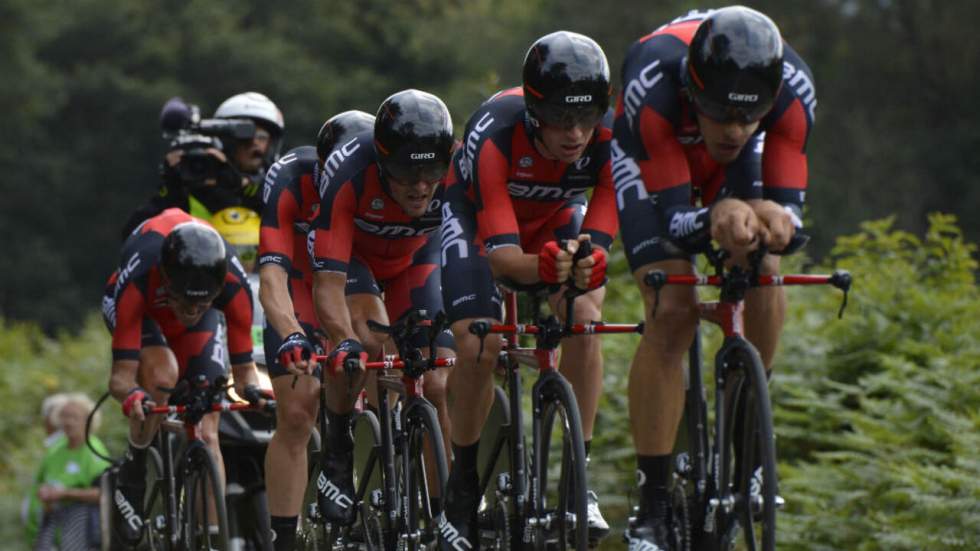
<point x="294" y="354"/>
<point x="590" y="272"/>
<point x="132" y="406"/>
<point x="348" y="349"/>
<point x="776" y="223"/>
<point x="555" y="262"/>
<point x="735" y="226"/>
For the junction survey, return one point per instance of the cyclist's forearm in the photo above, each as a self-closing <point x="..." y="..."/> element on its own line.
<point x="245" y="374"/>
<point x="512" y="263"/>
<point x="330" y="303"/>
<point x="276" y="303"/>
<point x="123" y="378"/>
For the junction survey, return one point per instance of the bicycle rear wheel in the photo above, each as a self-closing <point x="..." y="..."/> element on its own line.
<point x="751" y="447"/>
<point x="558" y="491"/>
<point x="423" y="487"/>
<point x="204" y="527"/>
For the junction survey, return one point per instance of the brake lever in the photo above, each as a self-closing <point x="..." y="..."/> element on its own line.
<point x="842" y="280"/>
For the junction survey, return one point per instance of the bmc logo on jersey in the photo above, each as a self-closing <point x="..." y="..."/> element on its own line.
<point x="578" y="99"/>
<point x="422" y="156"/>
<point x="392" y="230"/>
<point x="636" y="90"/>
<point x="546" y="193"/>
<point x="333" y="161"/>
<point x="472" y="143"/>
<point x="749" y="98"/>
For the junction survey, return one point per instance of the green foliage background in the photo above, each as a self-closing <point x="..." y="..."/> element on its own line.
<point x="877" y="414"/>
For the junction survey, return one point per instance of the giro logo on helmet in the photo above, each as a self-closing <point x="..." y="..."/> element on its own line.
<point x="743" y="97"/>
<point x="578" y="99"/>
<point x="422" y="156"/>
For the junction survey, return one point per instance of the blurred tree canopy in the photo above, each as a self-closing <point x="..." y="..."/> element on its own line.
<point x="83" y="83"/>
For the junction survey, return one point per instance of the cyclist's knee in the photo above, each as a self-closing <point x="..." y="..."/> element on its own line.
<point x="295" y="418"/>
<point x="770" y="264"/>
<point x="209" y="431"/>
<point x="158" y="370"/>
<point x="435" y="387"/>
<point x="672" y="328"/>
<point x="470" y="348"/>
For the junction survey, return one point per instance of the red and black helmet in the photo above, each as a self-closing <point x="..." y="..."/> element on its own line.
<point x="734" y="66"/>
<point x="193" y="261"/>
<point x="339" y="129"/>
<point x="566" y="81"/>
<point x="413" y="136"/>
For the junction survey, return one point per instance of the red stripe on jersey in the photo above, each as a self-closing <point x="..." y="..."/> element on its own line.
<point x="279" y="240"/>
<point x="666" y="165"/>
<point x="335" y="242"/>
<point x="238" y="315"/>
<point x="166" y="220"/>
<point x="496" y="215"/>
<point x="682" y="31"/>
<point x="602" y="215"/>
<point x="188" y="345"/>
<point x="129" y="320"/>
<point x="515" y="91"/>
<point x="784" y="163"/>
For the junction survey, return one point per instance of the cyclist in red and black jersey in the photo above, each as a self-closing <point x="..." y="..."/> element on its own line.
<point x="292" y="332"/>
<point x="715" y="106"/>
<point x="518" y="189"/>
<point x="162" y="307"/>
<point x="377" y="236"/>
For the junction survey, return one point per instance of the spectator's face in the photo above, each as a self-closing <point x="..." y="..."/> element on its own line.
<point x="73" y="417"/>
<point x="249" y="154"/>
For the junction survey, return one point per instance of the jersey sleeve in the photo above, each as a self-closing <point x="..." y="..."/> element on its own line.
<point x="601" y="221"/>
<point x="127" y="332"/>
<point x="236" y="303"/>
<point x="496" y="221"/>
<point x="276" y="235"/>
<point x="334" y="229"/>
<point x="784" y="162"/>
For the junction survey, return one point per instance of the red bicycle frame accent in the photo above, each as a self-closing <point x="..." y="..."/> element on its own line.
<point x="547" y="357"/>
<point x="413" y="385"/>
<point x="729" y="315"/>
<point x="193" y="429"/>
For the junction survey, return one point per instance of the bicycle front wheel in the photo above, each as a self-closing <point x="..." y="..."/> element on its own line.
<point x="204" y="519"/>
<point x="751" y="447"/>
<point x="425" y="475"/>
<point x="559" y="486"/>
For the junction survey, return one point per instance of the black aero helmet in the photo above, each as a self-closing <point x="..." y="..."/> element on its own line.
<point x="193" y="262"/>
<point x="339" y="129"/>
<point x="735" y="65"/>
<point x="413" y="136"/>
<point x="566" y="81"/>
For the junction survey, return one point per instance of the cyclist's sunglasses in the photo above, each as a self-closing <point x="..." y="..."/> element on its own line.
<point x="568" y="117"/>
<point x="405" y="173"/>
<point x="725" y="113"/>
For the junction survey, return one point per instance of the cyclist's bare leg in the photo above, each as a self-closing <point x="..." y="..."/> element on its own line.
<point x="341" y="390"/>
<point x="157" y="368"/>
<point x="286" y="465"/>
<point x="209" y="433"/>
<point x="581" y="356"/>
<point x="765" y="310"/>
<point x="434" y="386"/>
<point x="656" y="383"/>
<point x="471" y="383"/>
